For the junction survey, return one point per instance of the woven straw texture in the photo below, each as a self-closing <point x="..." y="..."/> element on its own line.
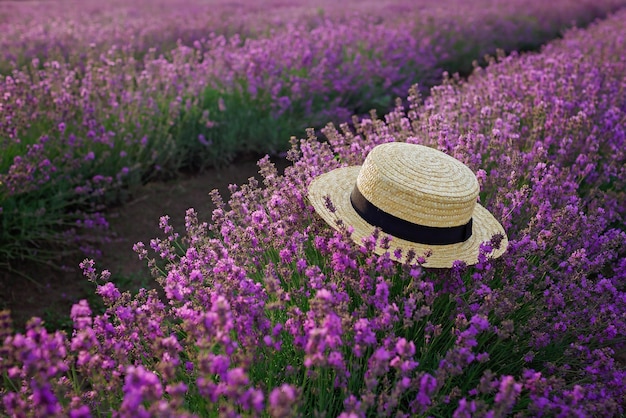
<point x="415" y="183"/>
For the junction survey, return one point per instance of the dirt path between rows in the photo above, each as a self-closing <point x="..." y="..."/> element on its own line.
<point x="137" y="220"/>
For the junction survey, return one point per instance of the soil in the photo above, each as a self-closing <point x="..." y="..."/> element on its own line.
<point x="51" y="292"/>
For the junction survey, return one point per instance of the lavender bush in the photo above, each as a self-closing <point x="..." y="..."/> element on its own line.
<point x="96" y="100"/>
<point x="268" y="311"/>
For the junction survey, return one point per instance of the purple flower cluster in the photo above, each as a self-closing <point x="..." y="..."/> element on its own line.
<point x="267" y="310"/>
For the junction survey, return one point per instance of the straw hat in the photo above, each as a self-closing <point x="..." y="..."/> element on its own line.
<point x="424" y="199"/>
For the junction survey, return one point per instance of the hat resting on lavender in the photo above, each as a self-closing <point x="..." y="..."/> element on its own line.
<point x="423" y="199"/>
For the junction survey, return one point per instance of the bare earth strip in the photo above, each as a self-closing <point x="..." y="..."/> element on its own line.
<point x="138" y="220"/>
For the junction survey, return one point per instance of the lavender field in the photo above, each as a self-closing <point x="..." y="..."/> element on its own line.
<point x="98" y="100"/>
<point x="266" y="310"/>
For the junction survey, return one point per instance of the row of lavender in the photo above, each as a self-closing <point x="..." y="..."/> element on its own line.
<point x="268" y="310"/>
<point x="96" y="108"/>
<point x="68" y="29"/>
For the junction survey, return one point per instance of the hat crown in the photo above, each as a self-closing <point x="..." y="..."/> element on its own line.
<point x="419" y="184"/>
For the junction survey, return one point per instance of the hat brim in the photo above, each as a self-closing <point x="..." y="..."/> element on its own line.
<point x="338" y="184"/>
